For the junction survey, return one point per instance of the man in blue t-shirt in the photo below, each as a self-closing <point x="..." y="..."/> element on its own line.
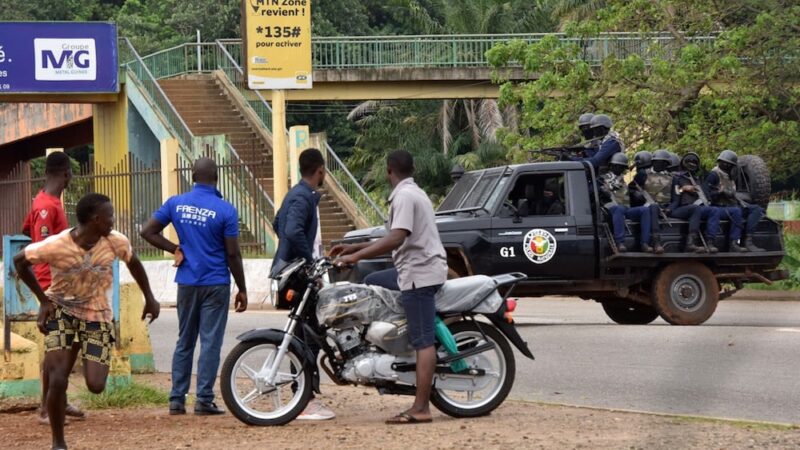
<point x="208" y="254"/>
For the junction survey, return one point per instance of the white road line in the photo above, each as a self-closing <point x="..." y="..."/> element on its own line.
<point x="789" y="330"/>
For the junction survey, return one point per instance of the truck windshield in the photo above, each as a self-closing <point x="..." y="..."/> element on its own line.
<point x="475" y="191"/>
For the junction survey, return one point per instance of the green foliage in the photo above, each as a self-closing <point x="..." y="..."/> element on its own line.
<point x="738" y="91"/>
<point x="133" y="395"/>
<point x="791" y="263"/>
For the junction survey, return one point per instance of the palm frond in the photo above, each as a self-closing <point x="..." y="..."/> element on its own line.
<point x="489" y="119"/>
<point x="363" y="109"/>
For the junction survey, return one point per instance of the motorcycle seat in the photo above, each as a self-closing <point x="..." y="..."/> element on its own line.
<point x="477" y="293"/>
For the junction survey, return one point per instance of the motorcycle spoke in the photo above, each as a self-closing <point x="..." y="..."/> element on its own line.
<point x="268" y="361"/>
<point x="249" y="372"/>
<point x="283" y="378"/>
<point x="470" y="396"/>
<point x="277" y="399"/>
<point x="252" y="395"/>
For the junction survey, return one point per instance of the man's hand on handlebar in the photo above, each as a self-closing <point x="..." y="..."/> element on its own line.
<point x="345" y="260"/>
<point x="341" y="249"/>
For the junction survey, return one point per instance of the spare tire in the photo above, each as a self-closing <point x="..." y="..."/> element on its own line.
<point x="754" y="179"/>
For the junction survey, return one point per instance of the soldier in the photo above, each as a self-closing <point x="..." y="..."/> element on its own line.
<point x="653" y="184"/>
<point x="585" y="127"/>
<point x="722" y="192"/>
<point x="674" y="164"/>
<point x="642" y="160"/>
<point x="609" y="143"/>
<point x="614" y="191"/>
<point x="689" y="202"/>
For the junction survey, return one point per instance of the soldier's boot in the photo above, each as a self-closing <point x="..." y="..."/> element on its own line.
<point x="646" y="247"/>
<point x="734" y="247"/>
<point x="749" y="245"/>
<point x="693" y="244"/>
<point x="621" y="248"/>
<point x="657" y="247"/>
<point x="710" y="245"/>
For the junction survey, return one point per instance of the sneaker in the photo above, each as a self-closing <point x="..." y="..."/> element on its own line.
<point x="315" y="410"/>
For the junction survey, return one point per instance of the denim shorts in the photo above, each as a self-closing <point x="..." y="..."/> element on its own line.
<point x="420" y="306"/>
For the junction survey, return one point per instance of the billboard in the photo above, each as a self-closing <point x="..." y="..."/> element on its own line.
<point x="278" y="44"/>
<point x="58" y="57"/>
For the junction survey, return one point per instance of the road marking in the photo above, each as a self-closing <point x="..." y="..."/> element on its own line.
<point x="789" y="330"/>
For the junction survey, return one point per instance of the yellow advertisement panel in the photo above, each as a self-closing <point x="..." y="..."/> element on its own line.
<point x="278" y="44"/>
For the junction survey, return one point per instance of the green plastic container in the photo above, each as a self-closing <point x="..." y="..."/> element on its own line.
<point x="444" y="336"/>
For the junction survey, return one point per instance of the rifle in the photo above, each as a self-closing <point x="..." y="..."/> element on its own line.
<point x="648" y="200"/>
<point x="564" y="151"/>
<point x="701" y="194"/>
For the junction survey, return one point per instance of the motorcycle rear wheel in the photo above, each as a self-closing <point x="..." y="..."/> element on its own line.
<point x="502" y="366"/>
<point x="250" y="401"/>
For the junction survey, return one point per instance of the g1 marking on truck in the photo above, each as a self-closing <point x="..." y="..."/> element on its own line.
<point x="539" y="246"/>
<point x="507" y="252"/>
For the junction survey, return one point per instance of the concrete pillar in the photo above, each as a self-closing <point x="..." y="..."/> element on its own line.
<point x="169" y="180"/>
<point x="298" y="141"/>
<point x="280" y="172"/>
<point x="134" y="333"/>
<point x="110" y="126"/>
<point x="19" y="375"/>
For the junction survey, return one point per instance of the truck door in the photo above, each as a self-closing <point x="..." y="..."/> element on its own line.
<point x="536" y="232"/>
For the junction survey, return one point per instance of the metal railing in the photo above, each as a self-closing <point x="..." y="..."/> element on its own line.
<point x="336" y="168"/>
<point x="246" y="192"/>
<point x="469" y="50"/>
<point x="347" y="183"/>
<point x="136" y="66"/>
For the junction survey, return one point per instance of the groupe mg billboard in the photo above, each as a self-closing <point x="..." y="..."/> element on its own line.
<point x="58" y="57"/>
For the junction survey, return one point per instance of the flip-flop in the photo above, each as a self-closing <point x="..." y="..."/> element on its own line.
<point x="74" y="412"/>
<point x="405" y="418"/>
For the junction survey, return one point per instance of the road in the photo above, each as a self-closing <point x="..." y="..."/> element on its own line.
<point x="742" y="364"/>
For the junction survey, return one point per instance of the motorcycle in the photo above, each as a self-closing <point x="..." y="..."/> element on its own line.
<point x="269" y="377"/>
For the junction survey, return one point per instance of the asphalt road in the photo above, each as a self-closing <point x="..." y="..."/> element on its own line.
<point x="743" y="364"/>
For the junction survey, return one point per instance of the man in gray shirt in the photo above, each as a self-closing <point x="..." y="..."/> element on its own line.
<point x="421" y="265"/>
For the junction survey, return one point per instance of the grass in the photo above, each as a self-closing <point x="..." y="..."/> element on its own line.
<point x="133" y="395"/>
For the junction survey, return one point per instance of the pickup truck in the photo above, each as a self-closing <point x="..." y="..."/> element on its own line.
<point x="490" y="224"/>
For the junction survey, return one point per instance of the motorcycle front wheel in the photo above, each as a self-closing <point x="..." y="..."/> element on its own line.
<point x="253" y="400"/>
<point x="499" y="366"/>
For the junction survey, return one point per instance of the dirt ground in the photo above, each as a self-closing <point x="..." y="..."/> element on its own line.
<point x="359" y="425"/>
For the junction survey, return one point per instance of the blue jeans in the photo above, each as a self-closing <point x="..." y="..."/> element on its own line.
<point x="203" y="311"/>
<point x="752" y="214"/>
<point x="646" y="215"/>
<point x="697" y="213"/>
<point x="386" y="278"/>
<point x="734" y="216"/>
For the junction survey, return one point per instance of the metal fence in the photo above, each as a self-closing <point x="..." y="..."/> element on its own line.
<point x="133" y="186"/>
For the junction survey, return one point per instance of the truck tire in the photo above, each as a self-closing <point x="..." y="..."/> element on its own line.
<point x="756" y="176"/>
<point x="626" y="312"/>
<point x="685" y="293"/>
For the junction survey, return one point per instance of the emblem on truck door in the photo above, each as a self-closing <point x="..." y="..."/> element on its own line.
<point x="539" y="246"/>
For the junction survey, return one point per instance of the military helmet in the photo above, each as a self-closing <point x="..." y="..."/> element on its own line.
<point x="690" y="162"/>
<point x="585" y="119"/>
<point x="728" y="156"/>
<point x="674" y="161"/>
<point x="661" y="155"/>
<point x="643" y="159"/>
<point x="619" y="159"/>
<point x="601" y="120"/>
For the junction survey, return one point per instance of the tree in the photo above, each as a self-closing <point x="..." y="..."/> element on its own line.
<point x="722" y="75"/>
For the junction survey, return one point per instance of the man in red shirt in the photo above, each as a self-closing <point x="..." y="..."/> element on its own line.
<point x="47" y="218"/>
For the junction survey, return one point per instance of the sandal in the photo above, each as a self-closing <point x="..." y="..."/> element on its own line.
<point x="74" y="412"/>
<point x="405" y="418"/>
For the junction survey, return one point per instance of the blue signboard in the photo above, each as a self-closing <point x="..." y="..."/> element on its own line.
<point x="58" y="57"/>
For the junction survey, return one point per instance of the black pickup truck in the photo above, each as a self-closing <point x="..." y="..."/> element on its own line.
<point x="490" y="223"/>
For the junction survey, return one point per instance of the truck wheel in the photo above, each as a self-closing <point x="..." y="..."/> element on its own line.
<point x="685" y="293"/>
<point x="629" y="313"/>
<point x="756" y="174"/>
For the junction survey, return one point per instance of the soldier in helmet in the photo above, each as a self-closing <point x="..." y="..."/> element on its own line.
<point x="721" y="188"/>
<point x="585" y="126"/>
<point x="690" y="203"/>
<point x="652" y="185"/>
<point x="610" y="143"/>
<point x="675" y="163"/>
<point x="642" y="160"/>
<point x="616" y="197"/>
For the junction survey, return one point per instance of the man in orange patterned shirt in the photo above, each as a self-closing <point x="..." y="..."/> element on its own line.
<point x="75" y="314"/>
